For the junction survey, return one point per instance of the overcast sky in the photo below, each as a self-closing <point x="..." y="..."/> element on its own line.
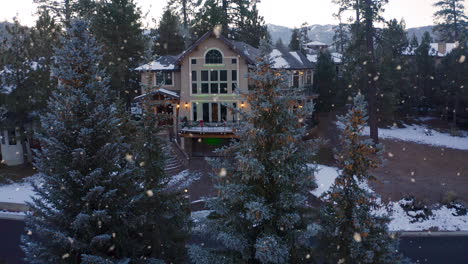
<point x="291" y="13"/>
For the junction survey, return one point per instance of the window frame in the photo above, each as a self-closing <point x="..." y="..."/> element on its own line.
<point x="213" y="60"/>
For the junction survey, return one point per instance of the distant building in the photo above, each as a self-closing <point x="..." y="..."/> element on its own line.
<point x="437" y="50"/>
<point x="201" y="85"/>
<point x="315" y="46"/>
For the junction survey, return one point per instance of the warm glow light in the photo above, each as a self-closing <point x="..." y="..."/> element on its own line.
<point x="242" y="104"/>
<point x="178" y="106"/>
<point x="186" y="104"/>
<point x="300" y="106"/>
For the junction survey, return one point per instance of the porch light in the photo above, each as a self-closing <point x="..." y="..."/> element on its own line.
<point x="186" y="104"/>
<point x="242" y="104"/>
<point x="178" y="105"/>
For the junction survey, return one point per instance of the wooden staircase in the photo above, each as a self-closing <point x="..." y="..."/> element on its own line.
<point x="176" y="160"/>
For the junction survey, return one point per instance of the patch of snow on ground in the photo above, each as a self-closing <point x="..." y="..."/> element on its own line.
<point x="325" y="178"/>
<point x="442" y="218"/>
<point x="184" y="179"/>
<point x="421" y="134"/>
<point x="18" y="192"/>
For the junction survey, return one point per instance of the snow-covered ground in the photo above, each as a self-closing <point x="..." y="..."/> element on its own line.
<point x="422" y="134"/>
<point x="22" y="192"/>
<point x="18" y="192"/>
<point x="442" y="217"/>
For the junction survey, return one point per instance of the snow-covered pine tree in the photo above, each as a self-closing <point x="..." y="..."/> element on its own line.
<point x="84" y="210"/>
<point x="261" y="213"/>
<point x="351" y="232"/>
<point x="166" y="226"/>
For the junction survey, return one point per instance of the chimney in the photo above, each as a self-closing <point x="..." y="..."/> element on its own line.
<point x="442" y="48"/>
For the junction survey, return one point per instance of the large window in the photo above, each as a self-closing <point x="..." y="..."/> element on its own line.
<point x="213" y="57"/>
<point x="214" y="112"/>
<point x="194" y="110"/>
<point x="308" y="77"/>
<point x="295" y="80"/>
<point x="211" y="82"/>
<point x="163" y="78"/>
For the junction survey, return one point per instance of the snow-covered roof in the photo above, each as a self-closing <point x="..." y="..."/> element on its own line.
<point x="163" y="63"/>
<point x="283" y="59"/>
<point x="163" y="91"/>
<point x="278" y="60"/>
<point x="336" y="57"/>
<point x="315" y="43"/>
<point x="434" y="50"/>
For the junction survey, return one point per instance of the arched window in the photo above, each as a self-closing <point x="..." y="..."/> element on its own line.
<point x="213" y="57"/>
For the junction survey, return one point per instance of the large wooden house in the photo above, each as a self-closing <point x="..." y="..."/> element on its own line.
<point x="200" y="87"/>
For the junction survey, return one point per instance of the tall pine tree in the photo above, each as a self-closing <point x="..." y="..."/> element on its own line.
<point x="92" y="204"/>
<point x="295" y="42"/>
<point x="351" y="232"/>
<point x="392" y="79"/>
<point x="261" y="212"/>
<point x="169" y="40"/>
<point x="451" y="21"/>
<point x="117" y="26"/>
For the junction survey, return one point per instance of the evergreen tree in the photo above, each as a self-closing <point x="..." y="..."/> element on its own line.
<point x="325" y="82"/>
<point x="251" y="29"/>
<point x="65" y="10"/>
<point x="451" y="21"/>
<point x="425" y="72"/>
<point x="304" y="36"/>
<point x="414" y="43"/>
<point x="88" y="208"/>
<point x="279" y="43"/>
<point x="169" y="41"/>
<point x="44" y="36"/>
<point x="295" y="44"/>
<point x="117" y="26"/>
<point x="392" y="83"/>
<point x="351" y="232"/>
<point x="208" y="17"/>
<point x="454" y="79"/>
<point x="16" y="75"/>
<point x="361" y="64"/>
<point x="185" y="8"/>
<point x="261" y="213"/>
<point x="166" y="226"/>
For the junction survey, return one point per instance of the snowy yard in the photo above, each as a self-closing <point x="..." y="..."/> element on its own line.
<point x="422" y="134"/>
<point x="442" y="218"/>
<point x="18" y="192"/>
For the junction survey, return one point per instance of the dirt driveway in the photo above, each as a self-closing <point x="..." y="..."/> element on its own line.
<point x="427" y="172"/>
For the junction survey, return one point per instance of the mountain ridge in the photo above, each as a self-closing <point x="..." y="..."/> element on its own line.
<point x="324" y="33"/>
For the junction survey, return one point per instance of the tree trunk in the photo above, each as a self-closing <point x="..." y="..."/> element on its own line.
<point x="455" y="108"/>
<point x="184" y="12"/>
<point x="371" y="72"/>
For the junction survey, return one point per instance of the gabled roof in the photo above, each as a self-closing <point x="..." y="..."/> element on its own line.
<point x="295" y="60"/>
<point x="281" y="57"/>
<point x="242" y="52"/>
<point x="315" y="43"/>
<point x="163" y="63"/>
<point x="165" y="92"/>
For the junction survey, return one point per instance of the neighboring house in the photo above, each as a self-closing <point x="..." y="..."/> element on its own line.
<point x="437" y="50"/>
<point x="315" y="46"/>
<point x="15" y="148"/>
<point x="200" y="88"/>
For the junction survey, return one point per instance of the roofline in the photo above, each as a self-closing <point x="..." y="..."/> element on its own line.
<point x="204" y="37"/>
